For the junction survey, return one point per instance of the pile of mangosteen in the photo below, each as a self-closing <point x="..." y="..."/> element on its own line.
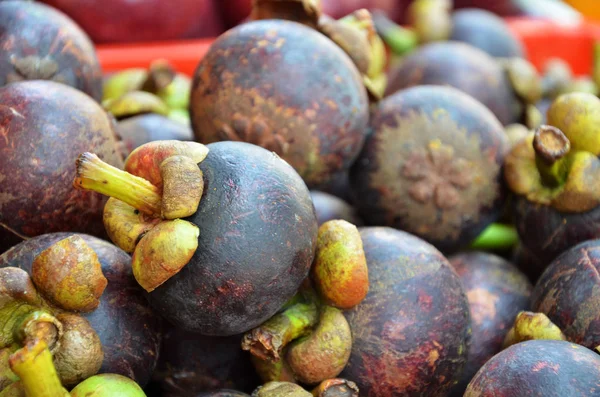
<point x="330" y="207"/>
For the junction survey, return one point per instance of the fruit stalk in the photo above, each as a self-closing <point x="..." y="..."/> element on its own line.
<point x="400" y="40"/>
<point x="551" y="147"/>
<point x="336" y="388"/>
<point x="33" y="364"/>
<point x="268" y="340"/>
<point x="94" y="174"/>
<point x="496" y="237"/>
<point x="532" y="326"/>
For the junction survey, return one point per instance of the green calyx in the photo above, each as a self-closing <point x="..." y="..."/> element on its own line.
<point x="558" y="165"/>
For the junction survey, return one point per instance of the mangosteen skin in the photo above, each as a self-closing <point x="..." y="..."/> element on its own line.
<point x="461" y="66"/>
<point x="547" y="232"/>
<point x="549" y="368"/>
<point x="45" y="126"/>
<point x="138" y="130"/>
<point x="486" y="31"/>
<point x="191" y="364"/>
<point x="411" y="333"/>
<point x="568" y="292"/>
<point x="329" y="207"/>
<point x="406" y="179"/>
<point x="130" y="333"/>
<point x="528" y="263"/>
<point x="497" y="291"/>
<point x="257" y="241"/>
<point x="41" y="43"/>
<point x="286" y="87"/>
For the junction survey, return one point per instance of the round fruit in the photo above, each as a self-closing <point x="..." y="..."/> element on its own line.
<point x="45" y="126"/>
<point x="568" y="292"/>
<point x="107" y="385"/>
<point x="486" y="31"/>
<point x="41" y="43"/>
<point x="497" y="291"/>
<point x="137" y="130"/>
<point x="329" y="207"/>
<point x="130" y="333"/>
<point x="411" y="332"/>
<point x="285" y="87"/>
<point x="431" y="166"/>
<point x="546" y="368"/>
<point x="461" y="66"/>
<point x="257" y="240"/>
<point x="143" y="21"/>
<point x="223" y="364"/>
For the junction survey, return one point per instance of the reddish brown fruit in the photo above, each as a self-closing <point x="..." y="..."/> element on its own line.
<point x="497" y="291"/>
<point x="568" y="292"/>
<point x="40" y="43"/>
<point x="461" y="66"/>
<point x="250" y="87"/>
<point x="432" y="166"/>
<point x="411" y="333"/>
<point x="546" y="368"/>
<point x="44" y="127"/>
<point x="130" y="333"/>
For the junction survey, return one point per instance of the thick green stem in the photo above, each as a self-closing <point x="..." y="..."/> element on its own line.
<point x="33" y="364"/>
<point x="400" y="40"/>
<point x="496" y="237"/>
<point x="94" y="174"/>
<point x="551" y="147"/>
<point x="268" y="340"/>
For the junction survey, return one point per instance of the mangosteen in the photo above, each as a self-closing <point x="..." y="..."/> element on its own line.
<point x="497" y="291"/>
<point x="546" y="368"/>
<point x="431" y="166"/>
<point x="329" y="207"/>
<point x="220" y="247"/>
<point x="486" y="31"/>
<point x="554" y="175"/>
<point x="411" y="333"/>
<point x="191" y="364"/>
<point x="568" y="293"/>
<point x="41" y="43"/>
<point x="45" y="126"/>
<point x="223" y="393"/>
<point x="129" y="332"/>
<point x="286" y="87"/>
<point x="464" y="67"/>
<point x="528" y="263"/>
<point x="135" y="131"/>
<point x="338" y="185"/>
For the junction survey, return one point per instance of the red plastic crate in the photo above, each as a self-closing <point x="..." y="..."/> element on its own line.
<point x="543" y="40"/>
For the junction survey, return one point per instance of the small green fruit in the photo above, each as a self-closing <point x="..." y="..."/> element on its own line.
<point x="108" y="385"/>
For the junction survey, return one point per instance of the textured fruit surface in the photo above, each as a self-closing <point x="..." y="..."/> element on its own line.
<point x="257" y="240"/>
<point x="461" y="66"/>
<point x="539" y="368"/>
<point x="431" y="166"/>
<point x="568" y="292"/>
<point x="411" y="333"/>
<point x="135" y="131"/>
<point x="40" y="43"/>
<point x="497" y="291"/>
<point x="286" y="87"/>
<point x="130" y="333"/>
<point x="44" y="127"/>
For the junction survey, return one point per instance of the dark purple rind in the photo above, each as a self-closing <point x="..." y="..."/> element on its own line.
<point x="35" y="29"/>
<point x="223" y="393"/>
<point x="138" y="130"/>
<point x="338" y="185"/>
<point x="411" y="333"/>
<point x="191" y="364"/>
<point x="130" y="333"/>
<point x="44" y="127"/>
<point x="301" y="89"/>
<point x="568" y="292"/>
<point x="528" y="263"/>
<point x="257" y="241"/>
<point x="329" y="207"/>
<point x="547" y="368"/>
<point x="547" y="232"/>
<point x="486" y="31"/>
<point x="497" y="291"/>
<point x="375" y="200"/>
<point x="464" y="67"/>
